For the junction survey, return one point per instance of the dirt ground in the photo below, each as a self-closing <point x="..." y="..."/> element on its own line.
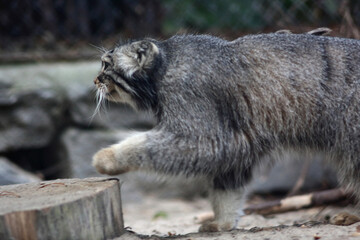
<point x="155" y="218"/>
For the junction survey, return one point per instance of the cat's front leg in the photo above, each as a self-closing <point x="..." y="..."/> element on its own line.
<point x="122" y="157"/>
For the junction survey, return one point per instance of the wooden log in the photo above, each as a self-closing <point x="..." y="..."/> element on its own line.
<point x="61" y="209"/>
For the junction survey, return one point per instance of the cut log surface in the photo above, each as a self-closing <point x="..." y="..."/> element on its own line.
<point x="61" y="209"/>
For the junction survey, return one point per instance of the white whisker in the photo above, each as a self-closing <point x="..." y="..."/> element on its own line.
<point x="100" y="49"/>
<point x="112" y="98"/>
<point x="100" y="99"/>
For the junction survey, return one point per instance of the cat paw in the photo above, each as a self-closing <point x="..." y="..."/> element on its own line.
<point x="204" y="218"/>
<point x="215" y="226"/>
<point x="105" y="162"/>
<point x="344" y="219"/>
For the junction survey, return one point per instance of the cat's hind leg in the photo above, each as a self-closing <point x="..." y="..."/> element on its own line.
<point x="227" y="198"/>
<point x="227" y="206"/>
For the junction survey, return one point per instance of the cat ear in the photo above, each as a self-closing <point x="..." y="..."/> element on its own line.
<point x="138" y="56"/>
<point x="144" y="53"/>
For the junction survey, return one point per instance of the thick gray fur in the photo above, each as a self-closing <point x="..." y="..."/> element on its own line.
<point x="223" y="106"/>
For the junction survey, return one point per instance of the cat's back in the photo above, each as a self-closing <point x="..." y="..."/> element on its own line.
<point x="294" y="49"/>
<point x="332" y="52"/>
<point x="296" y="42"/>
<point x="192" y="48"/>
<point x="303" y="58"/>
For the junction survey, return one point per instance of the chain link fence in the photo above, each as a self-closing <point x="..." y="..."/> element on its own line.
<point x="61" y="28"/>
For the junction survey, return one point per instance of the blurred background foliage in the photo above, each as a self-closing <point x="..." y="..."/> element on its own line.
<point x="246" y="15"/>
<point x="60" y="26"/>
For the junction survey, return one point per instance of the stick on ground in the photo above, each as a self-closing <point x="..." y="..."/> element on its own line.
<point x="297" y="202"/>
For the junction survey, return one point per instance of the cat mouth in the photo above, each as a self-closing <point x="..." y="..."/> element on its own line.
<point x="104" y="89"/>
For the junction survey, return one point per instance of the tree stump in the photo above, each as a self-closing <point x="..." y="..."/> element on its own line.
<point x="61" y="209"/>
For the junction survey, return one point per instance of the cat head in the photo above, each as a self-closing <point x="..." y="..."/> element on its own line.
<point x="126" y="74"/>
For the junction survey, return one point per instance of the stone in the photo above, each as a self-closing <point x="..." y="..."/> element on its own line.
<point x="33" y="104"/>
<point x="28" y="119"/>
<point x="81" y="145"/>
<point x="12" y="174"/>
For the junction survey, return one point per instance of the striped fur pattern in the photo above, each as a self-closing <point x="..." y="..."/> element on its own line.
<point x="223" y="106"/>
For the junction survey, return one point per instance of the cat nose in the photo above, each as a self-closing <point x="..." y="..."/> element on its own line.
<point x="96" y="81"/>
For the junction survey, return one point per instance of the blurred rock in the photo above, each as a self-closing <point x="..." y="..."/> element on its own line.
<point x="12" y="174"/>
<point x="49" y="162"/>
<point x="28" y="118"/>
<point x="81" y="145"/>
<point x="34" y="102"/>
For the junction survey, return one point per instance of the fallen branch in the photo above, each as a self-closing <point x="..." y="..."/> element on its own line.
<point x="297" y="202"/>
